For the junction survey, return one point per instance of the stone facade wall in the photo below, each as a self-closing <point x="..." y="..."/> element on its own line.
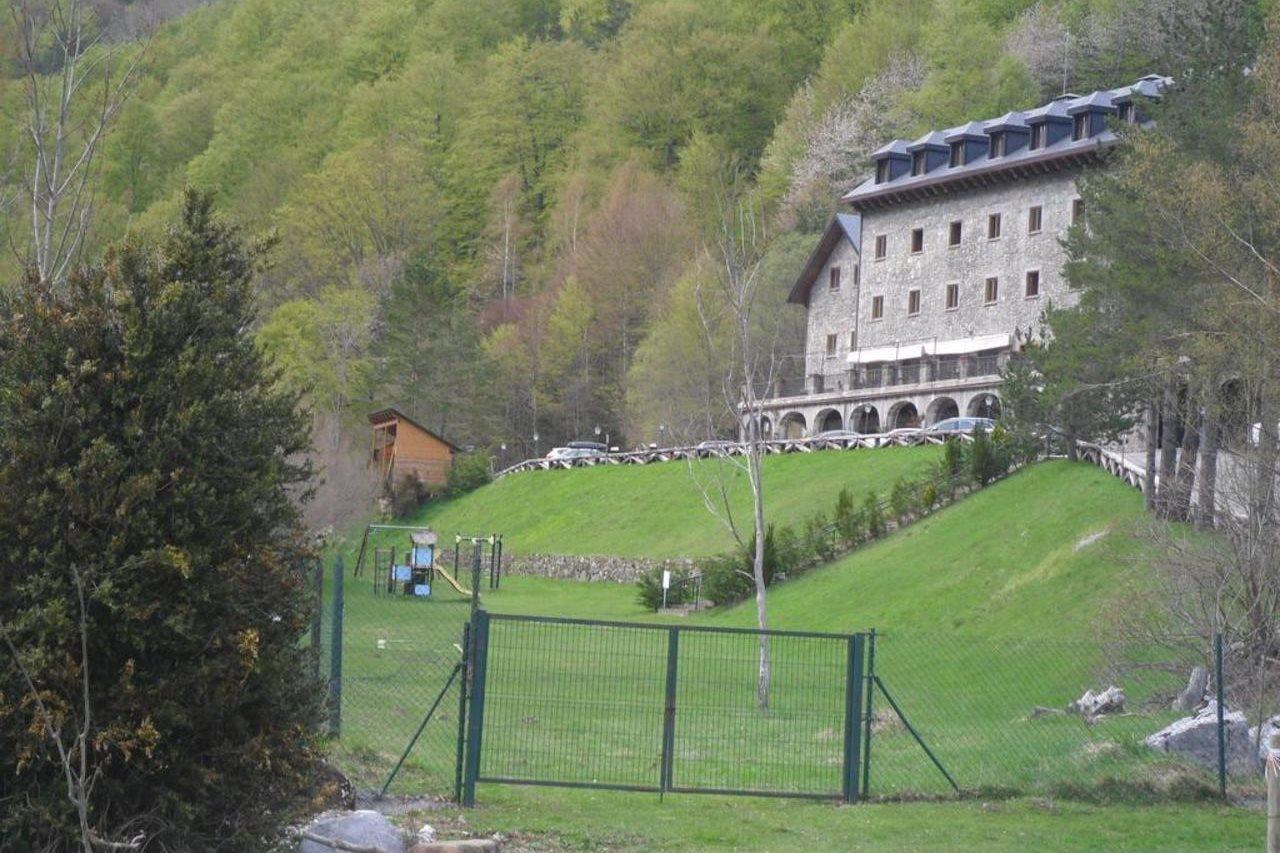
<point x="1009" y="258"/>
<point x="586" y="567"/>
<point x="831" y="312"/>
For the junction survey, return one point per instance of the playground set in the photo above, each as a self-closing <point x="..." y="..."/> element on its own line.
<point x="415" y="574"/>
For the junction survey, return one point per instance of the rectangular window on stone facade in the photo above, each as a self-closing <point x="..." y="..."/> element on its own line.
<point x="833" y="282"/>
<point x="953" y="235"/>
<point x="913" y="303"/>
<point x="1077" y="211"/>
<point x="917" y="240"/>
<point x="1035" y="219"/>
<point x="882" y="246"/>
<point x="953" y="297"/>
<point x="831" y="344"/>
<point x="992" y="291"/>
<point x="993" y="226"/>
<point x="877" y="307"/>
<point x="857" y="275"/>
<point x="1033" y="284"/>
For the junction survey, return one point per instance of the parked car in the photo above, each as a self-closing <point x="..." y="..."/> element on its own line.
<point x="576" y="450"/>
<point x="717" y="444"/>
<point x="839" y="434"/>
<point x="952" y="426"/>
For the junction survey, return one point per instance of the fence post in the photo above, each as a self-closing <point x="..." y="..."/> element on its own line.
<point x="1222" y="731"/>
<point x="475" y="718"/>
<point x="669" y="711"/>
<point x="853" y="718"/>
<point x="335" y="650"/>
<point x="866" y="743"/>
<point x="462" y="712"/>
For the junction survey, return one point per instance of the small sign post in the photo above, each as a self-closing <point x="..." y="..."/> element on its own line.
<point x="666" y="585"/>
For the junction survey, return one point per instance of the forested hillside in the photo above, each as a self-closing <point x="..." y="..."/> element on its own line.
<point x="501" y="215"/>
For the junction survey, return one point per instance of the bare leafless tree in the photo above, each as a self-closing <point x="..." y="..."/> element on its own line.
<point x="74" y="83"/>
<point x="727" y="308"/>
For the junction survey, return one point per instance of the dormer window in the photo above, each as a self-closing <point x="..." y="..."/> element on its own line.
<point x="918" y="163"/>
<point x="1127" y="113"/>
<point x="997" y="146"/>
<point x="1038" y="135"/>
<point x="1080" y="127"/>
<point x="957" y="154"/>
<point x="882" y="171"/>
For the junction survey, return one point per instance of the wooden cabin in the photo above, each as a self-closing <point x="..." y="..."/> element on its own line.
<point x="403" y="446"/>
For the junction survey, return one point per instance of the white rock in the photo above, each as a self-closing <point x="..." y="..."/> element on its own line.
<point x="1269" y="727"/>
<point x="427" y="834"/>
<point x="1109" y="701"/>
<point x="1196" y="738"/>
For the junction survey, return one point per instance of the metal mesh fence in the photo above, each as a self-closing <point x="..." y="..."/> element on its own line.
<point x="397" y="651"/>
<point x="996" y="714"/>
<point x="597" y="704"/>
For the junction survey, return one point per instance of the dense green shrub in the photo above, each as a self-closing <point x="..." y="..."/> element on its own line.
<point x="468" y="472"/>
<point x="872" y="516"/>
<point x="902" y="500"/>
<point x="152" y="460"/>
<point x="847" y="519"/>
<point x="726" y="578"/>
<point x="406" y="495"/>
<point x="987" y="456"/>
<point x="649" y="586"/>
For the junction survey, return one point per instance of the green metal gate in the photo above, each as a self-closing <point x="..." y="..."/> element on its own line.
<point x="627" y="706"/>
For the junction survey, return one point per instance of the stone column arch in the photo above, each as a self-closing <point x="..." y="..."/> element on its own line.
<point x="865" y="419"/>
<point x="985" y="405"/>
<point x="792" y="425"/>
<point x="941" y="408"/>
<point x="901" y="415"/>
<point x="827" y="419"/>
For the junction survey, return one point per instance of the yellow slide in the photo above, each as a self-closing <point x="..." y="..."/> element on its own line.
<point x="453" y="583"/>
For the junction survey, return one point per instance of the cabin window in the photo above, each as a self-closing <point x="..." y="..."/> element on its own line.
<point x="1033" y="284"/>
<point x="917" y="240"/>
<point x="997" y="146"/>
<point x="1080" y="127"/>
<point x="1035" y="219"/>
<point x="953" y="297"/>
<point x="877" y="307"/>
<point x="917" y="163"/>
<point x="882" y="171"/>
<point x="1039" y="135"/>
<point x="957" y="154"/>
<point x="953" y="236"/>
<point x="913" y="302"/>
<point x="882" y="246"/>
<point x="1077" y="211"/>
<point x="993" y="226"/>
<point x="833" y="278"/>
<point x="991" y="294"/>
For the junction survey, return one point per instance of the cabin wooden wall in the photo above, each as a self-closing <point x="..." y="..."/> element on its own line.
<point x="423" y="454"/>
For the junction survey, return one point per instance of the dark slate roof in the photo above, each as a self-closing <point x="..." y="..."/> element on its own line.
<point x="934" y="139"/>
<point x="846" y="225"/>
<point x="1061" y="154"/>
<point x="896" y="147"/>
<point x="1015" y="121"/>
<point x="972" y="130"/>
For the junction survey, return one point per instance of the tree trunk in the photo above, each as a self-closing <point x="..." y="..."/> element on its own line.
<point x="1205" y="514"/>
<point x="1166" y="487"/>
<point x="1185" y="480"/>
<point x="765" y="674"/>
<point x="1153" y="438"/>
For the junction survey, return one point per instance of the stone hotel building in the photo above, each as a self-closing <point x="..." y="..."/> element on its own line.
<point x="942" y="265"/>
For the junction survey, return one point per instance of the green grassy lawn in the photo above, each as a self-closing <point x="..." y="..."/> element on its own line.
<point x="549" y="819"/>
<point x="657" y="510"/>
<point x="985" y="610"/>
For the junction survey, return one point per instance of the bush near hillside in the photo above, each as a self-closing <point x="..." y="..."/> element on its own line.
<point x="727" y="578"/>
<point x="152" y="558"/>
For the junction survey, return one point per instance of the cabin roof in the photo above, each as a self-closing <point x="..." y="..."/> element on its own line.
<point x="391" y="413"/>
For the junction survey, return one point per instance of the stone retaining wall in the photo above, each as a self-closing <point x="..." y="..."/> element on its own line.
<point x="580" y="567"/>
